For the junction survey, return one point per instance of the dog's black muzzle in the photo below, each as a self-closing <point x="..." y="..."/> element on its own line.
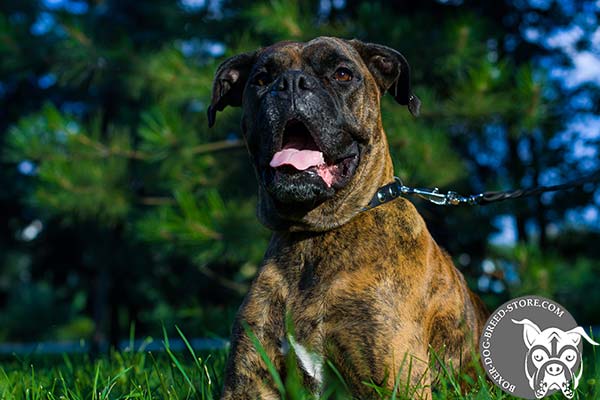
<point x="298" y="112"/>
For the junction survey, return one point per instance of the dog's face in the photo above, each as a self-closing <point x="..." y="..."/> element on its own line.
<point x="312" y="125"/>
<point x="553" y="358"/>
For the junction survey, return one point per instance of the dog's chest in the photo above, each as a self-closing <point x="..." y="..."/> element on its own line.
<point x="349" y="316"/>
<point x="351" y="295"/>
<point x="351" y="279"/>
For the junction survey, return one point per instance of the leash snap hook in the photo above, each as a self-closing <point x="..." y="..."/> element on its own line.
<point x="453" y="198"/>
<point x="432" y="195"/>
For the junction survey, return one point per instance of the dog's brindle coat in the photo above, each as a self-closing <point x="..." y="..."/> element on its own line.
<point x="370" y="291"/>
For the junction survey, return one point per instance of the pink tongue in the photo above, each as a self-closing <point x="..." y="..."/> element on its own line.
<point x="299" y="159"/>
<point x="304" y="159"/>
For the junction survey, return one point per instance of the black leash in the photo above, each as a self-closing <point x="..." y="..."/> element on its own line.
<point x="393" y="190"/>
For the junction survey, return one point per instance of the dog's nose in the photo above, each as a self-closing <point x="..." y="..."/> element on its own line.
<point x="554" y="369"/>
<point x="294" y="82"/>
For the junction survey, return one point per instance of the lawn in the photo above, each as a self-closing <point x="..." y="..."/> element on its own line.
<point x="191" y="375"/>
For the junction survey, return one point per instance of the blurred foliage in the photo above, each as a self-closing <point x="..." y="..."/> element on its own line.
<point x="119" y="205"/>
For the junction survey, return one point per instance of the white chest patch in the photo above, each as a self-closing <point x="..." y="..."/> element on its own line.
<point x="311" y="363"/>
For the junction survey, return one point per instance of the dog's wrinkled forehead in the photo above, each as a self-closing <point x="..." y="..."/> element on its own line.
<point x="315" y="55"/>
<point x="546" y="337"/>
<point x="553" y="337"/>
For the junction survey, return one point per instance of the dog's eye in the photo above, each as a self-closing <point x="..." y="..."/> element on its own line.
<point x="262" y="79"/>
<point x="342" y="75"/>
<point x="569" y="355"/>
<point x="538" y="355"/>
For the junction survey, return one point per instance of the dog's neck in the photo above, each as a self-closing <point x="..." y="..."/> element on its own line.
<point x="398" y="218"/>
<point x="372" y="231"/>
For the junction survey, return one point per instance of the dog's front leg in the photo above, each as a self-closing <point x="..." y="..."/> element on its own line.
<point x="262" y="315"/>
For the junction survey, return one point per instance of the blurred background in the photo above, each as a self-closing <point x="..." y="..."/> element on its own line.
<point x="121" y="212"/>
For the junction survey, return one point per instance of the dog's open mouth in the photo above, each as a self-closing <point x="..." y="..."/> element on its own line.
<point x="300" y="153"/>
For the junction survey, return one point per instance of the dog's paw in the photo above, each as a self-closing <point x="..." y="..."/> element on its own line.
<point x="566" y="390"/>
<point x="541" y="390"/>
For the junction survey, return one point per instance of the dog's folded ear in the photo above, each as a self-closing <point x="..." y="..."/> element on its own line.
<point x="530" y="331"/>
<point x="229" y="83"/>
<point x="577" y="333"/>
<point x="391" y="71"/>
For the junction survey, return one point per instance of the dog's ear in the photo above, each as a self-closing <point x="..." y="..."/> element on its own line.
<point x="391" y="72"/>
<point x="576" y="334"/>
<point x="530" y="331"/>
<point x="229" y="83"/>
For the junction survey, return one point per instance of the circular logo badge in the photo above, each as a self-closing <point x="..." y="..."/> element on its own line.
<point x="531" y="347"/>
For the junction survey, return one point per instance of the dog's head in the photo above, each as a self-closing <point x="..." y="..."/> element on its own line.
<point x="311" y="121"/>
<point x="553" y="360"/>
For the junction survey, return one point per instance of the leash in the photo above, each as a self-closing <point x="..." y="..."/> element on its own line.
<point x="392" y="190"/>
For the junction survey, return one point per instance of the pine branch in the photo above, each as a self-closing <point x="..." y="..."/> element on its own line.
<point x="203" y="230"/>
<point x="237" y="287"/>
<point x="214" y="147"/>
<point x="106" y="151"/>
<point x="157" y="201"/>
<point x="207" y="148"/>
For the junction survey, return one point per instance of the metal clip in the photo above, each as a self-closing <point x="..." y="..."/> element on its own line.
<point x="453" y="198"/>
<point x="432" y="195"/>
<point x="450" y="198"/>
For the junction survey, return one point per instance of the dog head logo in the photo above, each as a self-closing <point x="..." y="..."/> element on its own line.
<point x="553" y="359"/>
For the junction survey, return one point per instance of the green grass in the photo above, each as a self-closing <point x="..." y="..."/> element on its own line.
<point x="188" y="375"/>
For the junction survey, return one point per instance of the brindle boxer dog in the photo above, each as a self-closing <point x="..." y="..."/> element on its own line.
<point x="369" y="291"/>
